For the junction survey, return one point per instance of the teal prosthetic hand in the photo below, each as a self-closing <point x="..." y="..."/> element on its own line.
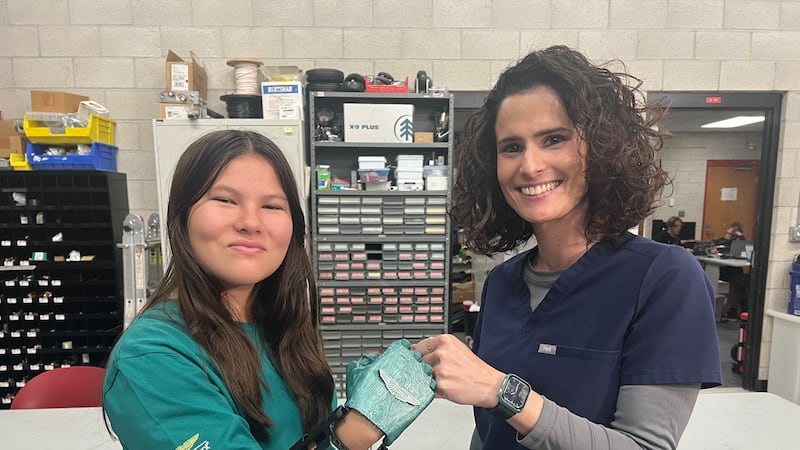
<point x="391" y="388"/>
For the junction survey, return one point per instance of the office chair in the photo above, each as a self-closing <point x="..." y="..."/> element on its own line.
<point x="65" y="387"/>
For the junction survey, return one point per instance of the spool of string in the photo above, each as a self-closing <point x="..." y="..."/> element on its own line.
<point x="245" y="76"/>
<point x="245" y="103"/>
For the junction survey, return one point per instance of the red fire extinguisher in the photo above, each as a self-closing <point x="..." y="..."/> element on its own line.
<point x="738" y="349"/>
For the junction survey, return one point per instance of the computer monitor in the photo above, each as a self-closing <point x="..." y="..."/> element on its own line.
<point x="687" y="229"/>
<point x="741" y="249"/>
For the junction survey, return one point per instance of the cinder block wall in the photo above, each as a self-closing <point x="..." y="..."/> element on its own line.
<point x="113" y="51"/>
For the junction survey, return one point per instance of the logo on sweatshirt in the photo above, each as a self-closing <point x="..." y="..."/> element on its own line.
<point x="189" y="444"/>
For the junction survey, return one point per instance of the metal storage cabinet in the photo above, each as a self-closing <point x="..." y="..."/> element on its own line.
<point x="58" y="313"/>
<point x="171" y="137"/>
<point x="382" y="258"/>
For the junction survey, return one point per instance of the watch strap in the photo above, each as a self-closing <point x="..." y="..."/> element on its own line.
<point x="501" y="411"/>
<point x="322" y="434"/>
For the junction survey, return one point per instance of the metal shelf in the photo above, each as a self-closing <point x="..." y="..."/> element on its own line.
<point x="404" y="97"/>
<point x="55" y="226"/>
<point x="84" y="304"/>
<point x="342" y="157"/>
<point x="17" y="268"/>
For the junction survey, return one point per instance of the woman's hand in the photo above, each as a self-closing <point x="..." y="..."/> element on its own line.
<point x="460" y="375"/>
<point x="463" y="378"/>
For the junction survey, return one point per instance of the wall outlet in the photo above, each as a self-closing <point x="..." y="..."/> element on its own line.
<point x="794" y="234"/>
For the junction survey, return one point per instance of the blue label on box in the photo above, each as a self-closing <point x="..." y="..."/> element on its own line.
<point x="281" y="89"/>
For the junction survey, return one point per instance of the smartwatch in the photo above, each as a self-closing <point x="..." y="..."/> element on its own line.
<point x="512" y="396"/>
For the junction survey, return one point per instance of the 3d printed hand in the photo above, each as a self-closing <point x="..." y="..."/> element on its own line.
<point x="391" y="388"/>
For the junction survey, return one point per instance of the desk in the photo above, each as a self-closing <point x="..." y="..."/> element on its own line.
<point x="712" y="265"/>
<point x="721" y="420"/>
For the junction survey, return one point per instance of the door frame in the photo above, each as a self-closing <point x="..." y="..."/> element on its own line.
<point x="769" y="103"/>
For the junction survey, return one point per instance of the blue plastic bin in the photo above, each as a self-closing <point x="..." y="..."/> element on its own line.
<point x="102" y="157"/>
<point x="794" y="293"/>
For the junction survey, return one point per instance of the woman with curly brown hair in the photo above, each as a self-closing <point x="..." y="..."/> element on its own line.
<point x="595" y="338"/>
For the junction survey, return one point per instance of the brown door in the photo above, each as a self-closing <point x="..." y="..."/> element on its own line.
<point x="731" y="189"/>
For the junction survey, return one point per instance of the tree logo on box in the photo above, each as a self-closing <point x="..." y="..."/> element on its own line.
<point x="404" y="129"/>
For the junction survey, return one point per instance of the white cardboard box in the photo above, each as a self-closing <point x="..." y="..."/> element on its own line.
<point x="282" y="99"/>
<point x="371" y="162"/>
<point x="369" y="122"/>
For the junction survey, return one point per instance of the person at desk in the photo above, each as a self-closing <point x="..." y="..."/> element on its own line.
<point x="227" y="352"/>
<point x="595" y="338"/>
<point x="722" y="244"/>
<point x="670" y="235"/>
<point x="738" y="281"/>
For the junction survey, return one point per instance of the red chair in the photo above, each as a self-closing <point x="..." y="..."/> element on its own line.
<point x="65" y="387"/>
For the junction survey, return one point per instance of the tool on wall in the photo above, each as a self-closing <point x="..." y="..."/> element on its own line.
<point x="155" y="260"/>
<point x="141" y="262"/>
<point x="794" y="230"/>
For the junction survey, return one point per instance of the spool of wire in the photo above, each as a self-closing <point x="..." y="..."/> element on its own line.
<point x="243" y="106"/>
<point x="245" y="76"/>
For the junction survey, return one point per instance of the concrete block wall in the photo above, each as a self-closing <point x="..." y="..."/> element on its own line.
<point x="113" y="51"/>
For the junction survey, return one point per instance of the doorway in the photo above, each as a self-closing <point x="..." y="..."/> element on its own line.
<point x="730" y="197"/>
<point x="768" y="104"/>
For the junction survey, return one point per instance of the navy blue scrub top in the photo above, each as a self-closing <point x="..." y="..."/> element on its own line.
<point x="630" y="311"/>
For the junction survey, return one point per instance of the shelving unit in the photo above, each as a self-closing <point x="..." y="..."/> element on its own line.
<point x="382" y="258"/>
<point x="58" y="313"/>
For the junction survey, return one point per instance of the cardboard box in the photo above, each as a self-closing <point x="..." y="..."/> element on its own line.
<point x="11" y="140"/>
<point x="462" y="292"/>
<point x="180" y="111"/>
<point x="368" y="122"/>
<point x="185" y="75"/>
<point x="423" y="136"/>
<point x="282" y="99"/>
<point x="52" y="101"/>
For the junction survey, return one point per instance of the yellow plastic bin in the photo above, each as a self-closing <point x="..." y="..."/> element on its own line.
<point x="100" y="129"/>
<point x="19" y="162"/>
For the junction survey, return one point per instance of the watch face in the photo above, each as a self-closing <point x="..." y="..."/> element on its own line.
<point x="516" y="393"/>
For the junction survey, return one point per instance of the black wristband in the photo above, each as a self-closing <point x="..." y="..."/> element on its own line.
<point x="322" y="434"/>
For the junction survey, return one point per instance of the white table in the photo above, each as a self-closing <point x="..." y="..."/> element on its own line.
<point x="721" y="420"/>
<point x="712" y="265"/>
<point x="746" y="421"/>
<point x="61" y="428"/>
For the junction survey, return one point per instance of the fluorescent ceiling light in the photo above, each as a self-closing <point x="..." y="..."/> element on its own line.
<point x="733" y="122"/>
